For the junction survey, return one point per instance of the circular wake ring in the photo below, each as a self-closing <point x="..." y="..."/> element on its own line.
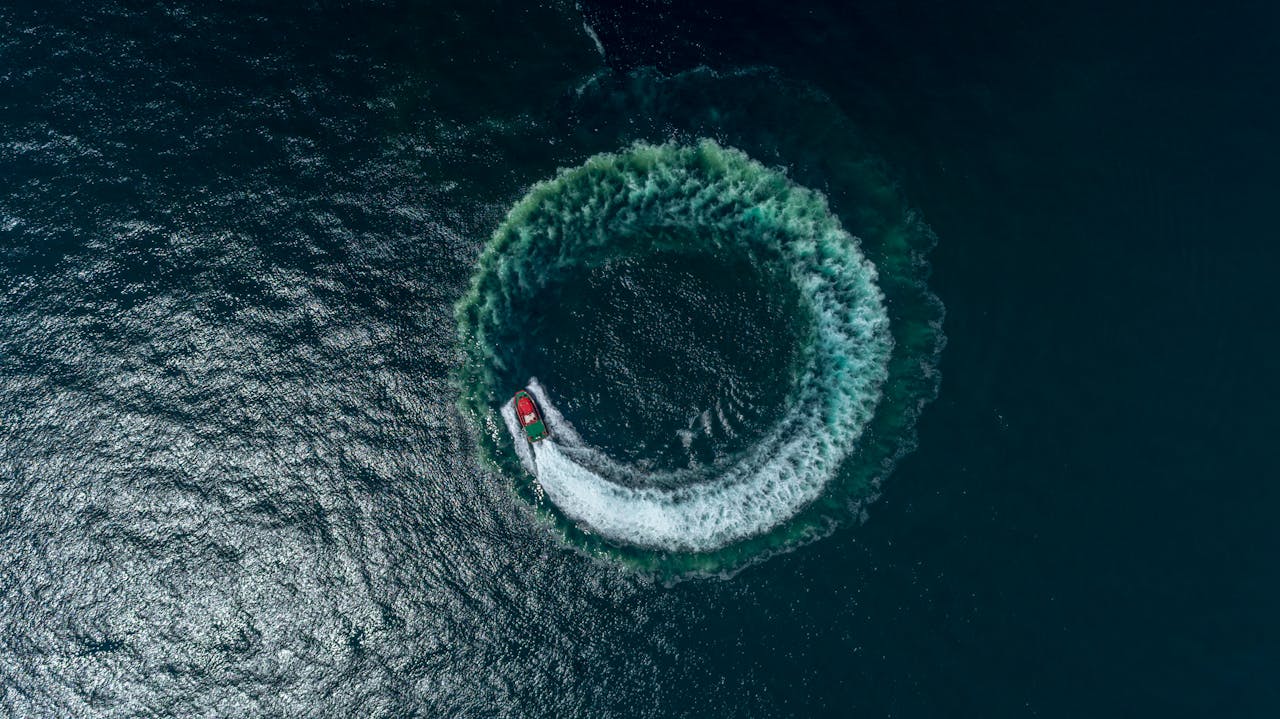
<point x="720" y="201"/>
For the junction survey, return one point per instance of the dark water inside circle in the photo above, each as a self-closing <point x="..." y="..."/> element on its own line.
<point x="670" y="360"/>
<point x="234" y="481"/>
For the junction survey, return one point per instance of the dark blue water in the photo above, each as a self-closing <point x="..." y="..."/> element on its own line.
<point x="235" y="478"/>
<point x="683" y="341"/>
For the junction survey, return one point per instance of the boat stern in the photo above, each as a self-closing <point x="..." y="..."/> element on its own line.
<point x="536" y="431"/>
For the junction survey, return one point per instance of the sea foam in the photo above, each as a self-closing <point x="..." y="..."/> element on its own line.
<point x="581" y="218"/>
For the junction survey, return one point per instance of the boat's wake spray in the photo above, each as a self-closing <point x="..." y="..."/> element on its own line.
<point x="726" y="195"/>
<point x="857" y="381"/>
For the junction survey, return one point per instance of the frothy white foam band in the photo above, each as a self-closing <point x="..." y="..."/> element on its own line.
<point x="705" y="186"/>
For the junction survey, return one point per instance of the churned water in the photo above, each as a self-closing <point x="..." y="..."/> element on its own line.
<point x="270" y="273"/>
<point x="705" y="201"/>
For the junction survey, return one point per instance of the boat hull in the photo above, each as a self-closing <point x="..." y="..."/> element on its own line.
<point x="529" y="416"/>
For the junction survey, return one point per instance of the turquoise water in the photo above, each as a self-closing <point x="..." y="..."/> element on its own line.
<point x="269" y="274"/>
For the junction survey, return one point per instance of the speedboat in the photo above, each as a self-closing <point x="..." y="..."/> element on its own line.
<point x="529" y="416"/>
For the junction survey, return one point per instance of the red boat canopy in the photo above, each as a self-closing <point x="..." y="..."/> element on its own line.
<point x="524" y="406"/>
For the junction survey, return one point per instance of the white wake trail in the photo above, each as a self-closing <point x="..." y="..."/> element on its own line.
<point x="578" y="216"/>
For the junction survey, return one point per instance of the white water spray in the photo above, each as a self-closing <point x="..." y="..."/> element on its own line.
<point x="576" y="219"/>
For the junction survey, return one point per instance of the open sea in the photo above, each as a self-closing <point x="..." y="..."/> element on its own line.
<point x="901" y="359"/>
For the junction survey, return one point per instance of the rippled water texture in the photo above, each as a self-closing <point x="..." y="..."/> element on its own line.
<point x="232" y="478"/>
<point x="235" y="481"/>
